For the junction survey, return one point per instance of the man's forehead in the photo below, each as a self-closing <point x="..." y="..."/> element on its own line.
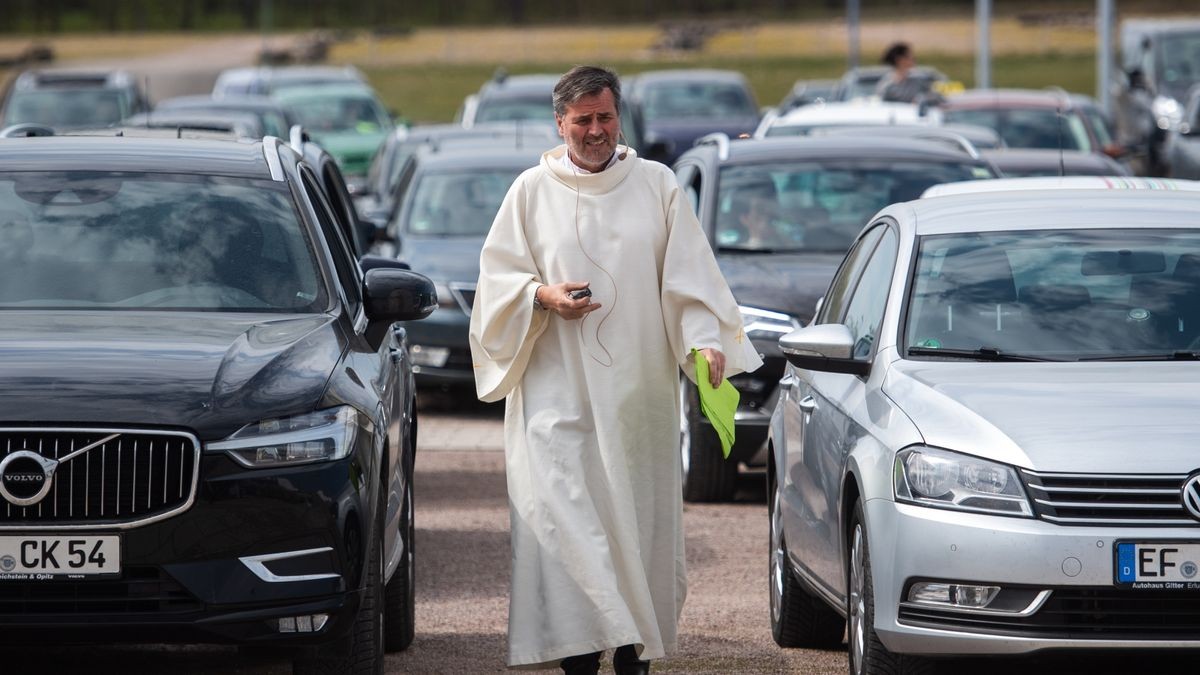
<point x="590" y="104"/>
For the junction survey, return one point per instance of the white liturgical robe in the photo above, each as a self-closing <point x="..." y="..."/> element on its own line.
<point x="591" y="426"/>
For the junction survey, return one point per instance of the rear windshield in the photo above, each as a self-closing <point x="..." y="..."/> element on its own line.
<point x="818" y="205"/>
<point x="68" y="108"/>
<point x="1029" y="127"/>
<point x="461" y="203"/>
<point x="153" y="241"/>
<point x="669" y="101"/>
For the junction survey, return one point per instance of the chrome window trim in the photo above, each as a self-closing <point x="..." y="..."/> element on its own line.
<point x="257" y="565"/>
<point x="114" y="524"/>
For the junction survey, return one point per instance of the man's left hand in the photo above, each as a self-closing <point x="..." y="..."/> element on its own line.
<point x="716" y="366"/>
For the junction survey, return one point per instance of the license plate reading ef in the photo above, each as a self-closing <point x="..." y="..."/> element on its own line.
<point x="48" y="557"/>
<point x="1153" y="565"/>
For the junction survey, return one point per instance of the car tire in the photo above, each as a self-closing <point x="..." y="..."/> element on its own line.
<point x="868" y="655"/>
<point x="798" y="618"/>
<point x="361" y="652"/>
<point x="707" y="475"/>
<point x="400" y="591"/>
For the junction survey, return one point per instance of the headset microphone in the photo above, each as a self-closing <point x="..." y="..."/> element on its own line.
<point x="624" y="153"/>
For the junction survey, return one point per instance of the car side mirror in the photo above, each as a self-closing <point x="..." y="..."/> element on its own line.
<point x="375" y="262"/>
<point x="826" y="347"/>
<point x="393" y="294"/>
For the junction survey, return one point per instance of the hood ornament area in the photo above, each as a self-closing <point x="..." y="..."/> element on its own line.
<point x="1191" y="496"/>
<point x="26" y="476"/>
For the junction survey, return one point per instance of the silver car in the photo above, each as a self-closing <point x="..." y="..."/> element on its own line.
<point x="987" y="441"/>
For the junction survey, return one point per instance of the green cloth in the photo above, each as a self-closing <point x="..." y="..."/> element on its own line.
<point x="718" y="405"/>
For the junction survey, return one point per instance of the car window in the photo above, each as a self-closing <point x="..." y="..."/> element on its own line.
<point x="351" y="114"/>
<point x="864" y="313"/>
<point x="675" y="100"/>
<point x="852" y="264"/>
<point x="1029" y="127"/>
<point x="1060" y="293"/>
<point x="513" y="109"/>
<point x="819" y="205"/>
<point x="67" y="108"/>
<point x="689" y="179"/>
<point x="348" y="271"/>
<point x="153" y="242"/>
<point x="460" y="203"/>
<point x="1100" y="126"/>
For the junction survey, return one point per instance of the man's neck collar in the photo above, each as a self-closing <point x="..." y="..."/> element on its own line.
<point x="576" y="166"/>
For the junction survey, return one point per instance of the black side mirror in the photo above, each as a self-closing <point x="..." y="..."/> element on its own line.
<point x="376" y="262"/>
<point x="398" y="295"/>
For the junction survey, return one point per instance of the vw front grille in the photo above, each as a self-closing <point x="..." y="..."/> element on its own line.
<point x="1152" y="500"/>
<point x="97" y="477"/>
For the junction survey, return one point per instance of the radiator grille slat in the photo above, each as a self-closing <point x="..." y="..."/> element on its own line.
<point x="1151" y="500"/>
<point x="108" y="484"/>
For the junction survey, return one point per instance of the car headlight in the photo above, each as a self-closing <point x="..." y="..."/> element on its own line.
<point x="762" y="324"/>
<point x="1167" y="112"/>
<point x="318" y="436"/>
<point x="934" y="477"/>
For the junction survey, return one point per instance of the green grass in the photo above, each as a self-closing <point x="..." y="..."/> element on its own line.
<point x="433" y="92"/>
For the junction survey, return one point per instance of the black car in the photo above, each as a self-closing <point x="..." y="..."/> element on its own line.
<point x="679" y="106"/>
<point x="1029" y="162"/>
<point x="71" y="99"/>
<point x="780" y="213"/>
<point x="439" y="229"/>
<point x="206" y="415"/>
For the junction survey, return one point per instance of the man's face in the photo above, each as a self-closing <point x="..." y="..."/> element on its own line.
<point x="590" y="127"/>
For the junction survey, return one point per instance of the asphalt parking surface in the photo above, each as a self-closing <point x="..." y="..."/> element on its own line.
<point x="462" y="586"/>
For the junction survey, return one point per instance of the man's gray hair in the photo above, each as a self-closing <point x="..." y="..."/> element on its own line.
<point x="583" y="81"/>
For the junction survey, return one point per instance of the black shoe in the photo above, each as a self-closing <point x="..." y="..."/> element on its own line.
<point x="583" y="664"/>
<point x="625" y="662"/>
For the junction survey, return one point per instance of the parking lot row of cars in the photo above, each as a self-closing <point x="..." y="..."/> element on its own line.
<point x="953" y="384"/>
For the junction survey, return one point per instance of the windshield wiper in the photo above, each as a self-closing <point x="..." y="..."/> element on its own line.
<point x="1180" y="355"/>
<point x="981" y="354"/>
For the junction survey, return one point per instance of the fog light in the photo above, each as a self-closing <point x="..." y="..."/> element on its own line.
<point x="305" y="623"/>
<point x="433" y="357"/>
<point x="956" y="595"/>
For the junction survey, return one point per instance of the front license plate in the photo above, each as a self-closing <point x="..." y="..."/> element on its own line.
<point x="1172" y="565"/>
<point x="47" y="557"/>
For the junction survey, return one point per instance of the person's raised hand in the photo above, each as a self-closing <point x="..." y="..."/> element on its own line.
<point x="556" y="298"/>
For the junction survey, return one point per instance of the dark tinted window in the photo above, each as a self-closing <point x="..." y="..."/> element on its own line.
<point x="1029" y="127"/>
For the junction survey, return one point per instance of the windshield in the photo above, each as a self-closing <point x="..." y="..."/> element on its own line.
<point x="818" y="205"/>
<point x="1029" y="127"/>
<point x="359" y="115"/>
<point x="68" y="108"/>
<point x="514" y="109"/>
<point x="152" y="241"/>
<point x="1060" y="294"/>
<point x="458" y="204"/>
<point x="697" y="100"/>
<point x="1179" y="63"/>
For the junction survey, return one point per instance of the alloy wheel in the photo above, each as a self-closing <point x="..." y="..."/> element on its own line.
<point x="857" y="602"/>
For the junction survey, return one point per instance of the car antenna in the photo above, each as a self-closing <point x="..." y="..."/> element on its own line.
<point x="1058" y="115"/>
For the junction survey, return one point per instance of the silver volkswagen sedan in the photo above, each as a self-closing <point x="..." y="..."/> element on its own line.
<point x="987" y="440"/>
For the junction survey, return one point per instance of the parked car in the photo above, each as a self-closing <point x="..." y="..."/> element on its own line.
<point x="510" y="98"/>
<point x="443" y="218"/>
<point x="1160" y="62"/>
<point x="1025" y="162"/>
<point x="69" y="99"/>
<point x="804" y="92"/>
<point x="861" y="82"/>
<point x="679" y="106"/>
<point x="966" y="137"/>
<point x="1183" y="141"/>
<point x="272" y="117"/>
<point x="822" y="116"/>
<point x="358" y="234"/>
<point x="1048" y="119"/>
<point x="1061" y="183"/>
<point x="950" y="468"/>
<point x="346" y="119"/>
<point x="206" y="413"/>
<point x="235" y="125"/>
<point x="779" y="213"/>
<point x="266" y="80"/>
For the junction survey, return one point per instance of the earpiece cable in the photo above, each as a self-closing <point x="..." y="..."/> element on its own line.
<point x="579" y="240"/>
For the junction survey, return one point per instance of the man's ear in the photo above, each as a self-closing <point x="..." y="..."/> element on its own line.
<point x="558" y="122"/>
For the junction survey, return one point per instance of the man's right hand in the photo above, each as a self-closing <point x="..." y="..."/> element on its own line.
<point x="554" y="298"/>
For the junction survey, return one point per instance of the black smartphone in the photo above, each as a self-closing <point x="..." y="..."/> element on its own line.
<point x="580" y="294"/>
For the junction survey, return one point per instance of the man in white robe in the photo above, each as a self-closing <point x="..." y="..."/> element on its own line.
<point x="591" y="385"/>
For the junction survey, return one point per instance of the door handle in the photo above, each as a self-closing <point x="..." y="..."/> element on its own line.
<point x="787" y="381"/>
<point x="808" y="404"/>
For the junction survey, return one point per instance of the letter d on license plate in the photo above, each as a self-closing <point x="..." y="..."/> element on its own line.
<point x="23" y="556"/>
<point x="1158" y="564"/>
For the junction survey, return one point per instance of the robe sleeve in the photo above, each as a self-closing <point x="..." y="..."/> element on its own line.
<point x="504" y="321"/>
<point x="699" y="310"/>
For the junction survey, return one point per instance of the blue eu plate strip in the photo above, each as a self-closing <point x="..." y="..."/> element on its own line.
<point x="1126" y="564"/>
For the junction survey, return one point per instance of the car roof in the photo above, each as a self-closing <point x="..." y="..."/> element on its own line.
<point x="1050" y="158"/>
<point x="152" y="155"/>
<point x="519" y="84"/>
<point x="1063" y="208"/>
<point x="1123" y="184"/>
<point x="460" y="157"/>
<point x="74" y="79"/>
<point x="324" y="90"/>
<point x="235" y="102"/>
<point x="851" y="113"/>
<point x="1010" y="98"/>
<point x="687" y="75"/>
<point x="839" y="147"/>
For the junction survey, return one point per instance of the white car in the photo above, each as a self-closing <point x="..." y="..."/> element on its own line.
<point x="863" y="112"/>
<point x="985" y="442"/>
<point x="1062" y="183"/>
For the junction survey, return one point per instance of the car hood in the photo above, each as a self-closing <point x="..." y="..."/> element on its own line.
<point x="443" y="259"/>
<point x="1069" y="417"/>
<point x="208" y="372"/>
<point x="783" y="282"/>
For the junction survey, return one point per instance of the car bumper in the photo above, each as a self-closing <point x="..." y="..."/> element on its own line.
<point x="254" y="547"/>
<point x="440" y="349"/>
<point x="1067" y="573"/>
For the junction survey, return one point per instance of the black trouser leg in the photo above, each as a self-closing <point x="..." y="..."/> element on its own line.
<point x="583" y="664"/>
<point x="625" y="662"/>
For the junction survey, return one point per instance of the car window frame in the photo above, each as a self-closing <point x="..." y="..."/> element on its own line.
<point x="878" y="252"/>
<point x="847" y="267"/>
<point x="348" y="273"/>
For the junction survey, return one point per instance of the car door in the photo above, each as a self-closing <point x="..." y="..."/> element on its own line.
<point x="819" y="418"/>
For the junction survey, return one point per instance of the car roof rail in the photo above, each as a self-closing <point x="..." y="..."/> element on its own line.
<point x="943" y="135"/>
<point x="26" y="130"/>
<point x="717" y="138"/>
<point x="297" y="137"/>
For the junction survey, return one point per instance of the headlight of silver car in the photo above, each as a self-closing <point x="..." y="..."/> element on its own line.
<point x="763" y="324"/>
<point x="313" y="437"/>
<point x="951" y="480"/>
<point x="1167" y="112"/>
